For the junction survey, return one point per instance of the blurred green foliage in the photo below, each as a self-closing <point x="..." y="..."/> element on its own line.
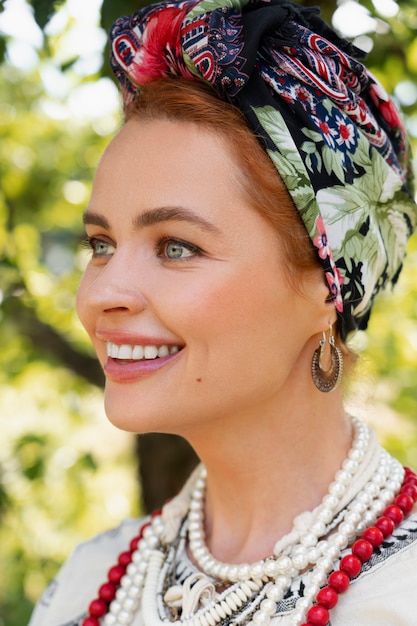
<point x="64" y="472"/>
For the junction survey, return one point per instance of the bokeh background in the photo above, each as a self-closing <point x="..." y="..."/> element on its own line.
<point x="65" y="473"/>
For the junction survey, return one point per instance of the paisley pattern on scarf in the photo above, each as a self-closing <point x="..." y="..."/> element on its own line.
<point x="329" y="127"/>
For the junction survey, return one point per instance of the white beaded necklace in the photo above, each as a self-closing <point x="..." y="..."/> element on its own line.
<point x="256" y="588"/>
<point x="303" y="538"/>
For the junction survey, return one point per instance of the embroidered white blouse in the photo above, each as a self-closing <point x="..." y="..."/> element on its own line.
<point x="384" y="594"/>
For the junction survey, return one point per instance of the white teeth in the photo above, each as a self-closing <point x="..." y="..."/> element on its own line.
<point x="163" y="351"/>
<point x="150" y="352"/>
<point x="137" y="353"/>
<point x="127" y="352"/>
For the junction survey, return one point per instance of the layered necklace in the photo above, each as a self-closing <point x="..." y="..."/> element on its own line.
<point x="248" y="594"/>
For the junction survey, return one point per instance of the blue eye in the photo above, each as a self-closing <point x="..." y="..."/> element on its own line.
<point x="99" y="247"/>
<point x="175" y="249"/>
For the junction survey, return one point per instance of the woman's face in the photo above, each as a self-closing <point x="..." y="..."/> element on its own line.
<point x="185" y="297"/>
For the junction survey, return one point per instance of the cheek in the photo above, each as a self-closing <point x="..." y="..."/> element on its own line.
<point x="207" y="302"/>
<point x="230" y="313"/>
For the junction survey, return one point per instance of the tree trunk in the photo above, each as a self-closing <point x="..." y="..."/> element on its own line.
<point x="165" y="462"/>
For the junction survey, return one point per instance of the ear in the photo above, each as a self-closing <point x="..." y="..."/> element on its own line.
<point x="317" y="290"/>
<point x="331" y="311"/>
<point x="329" y="302"/>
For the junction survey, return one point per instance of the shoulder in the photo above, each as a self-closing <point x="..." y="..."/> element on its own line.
<point x="67" y="597"/>
<point x="384" y="593"/>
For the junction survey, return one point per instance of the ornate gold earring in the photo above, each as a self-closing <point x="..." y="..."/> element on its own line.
<point x="327" y="380"/>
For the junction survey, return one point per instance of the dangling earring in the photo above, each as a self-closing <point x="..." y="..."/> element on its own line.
<point x="327" y="380"/>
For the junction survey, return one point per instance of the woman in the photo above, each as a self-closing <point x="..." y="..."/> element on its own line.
<point x="241" y="223"/>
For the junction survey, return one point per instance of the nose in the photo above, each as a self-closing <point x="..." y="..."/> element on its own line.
<point x="113" y="287"/>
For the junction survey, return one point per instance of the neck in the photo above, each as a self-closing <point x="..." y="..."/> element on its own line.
<point x="260" y="478"/>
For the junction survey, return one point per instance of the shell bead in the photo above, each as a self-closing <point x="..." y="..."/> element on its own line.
<point x="136" y="577"/>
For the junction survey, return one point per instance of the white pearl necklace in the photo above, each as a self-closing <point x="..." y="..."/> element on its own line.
<point x="306" y="534"/>
<point x="264" y="583"/>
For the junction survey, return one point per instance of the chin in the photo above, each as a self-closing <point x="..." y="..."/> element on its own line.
<point x="129" y="419"/>
<point x="133" y="414"/>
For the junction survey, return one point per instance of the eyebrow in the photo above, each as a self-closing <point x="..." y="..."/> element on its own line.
<point x="155" y="216"/>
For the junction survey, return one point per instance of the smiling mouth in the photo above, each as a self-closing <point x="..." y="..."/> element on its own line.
<point x="126" y="352"/>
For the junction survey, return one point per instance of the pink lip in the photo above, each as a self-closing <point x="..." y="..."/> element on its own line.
<point x="122" y="337"/>
<point x="130" y="371"/>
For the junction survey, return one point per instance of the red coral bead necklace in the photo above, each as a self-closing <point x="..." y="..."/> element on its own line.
<point x="337" y="582"/>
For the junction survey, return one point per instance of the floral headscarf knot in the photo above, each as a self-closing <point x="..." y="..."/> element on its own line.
<point x="330" y="129"/>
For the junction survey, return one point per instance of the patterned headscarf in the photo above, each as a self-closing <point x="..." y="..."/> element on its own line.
<point x="330" y="129"/>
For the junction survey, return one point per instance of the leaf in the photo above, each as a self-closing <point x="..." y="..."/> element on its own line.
<point x="44" y="10"/>
<point x="87" y="462"/>
<point x="333" y="163"/>
<point x="5" y="500"/>
<point x="309" y="147"/>
<point x="69" y="64"/>
<point x="30" y="450"/>
<point x="2" y="49"/>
